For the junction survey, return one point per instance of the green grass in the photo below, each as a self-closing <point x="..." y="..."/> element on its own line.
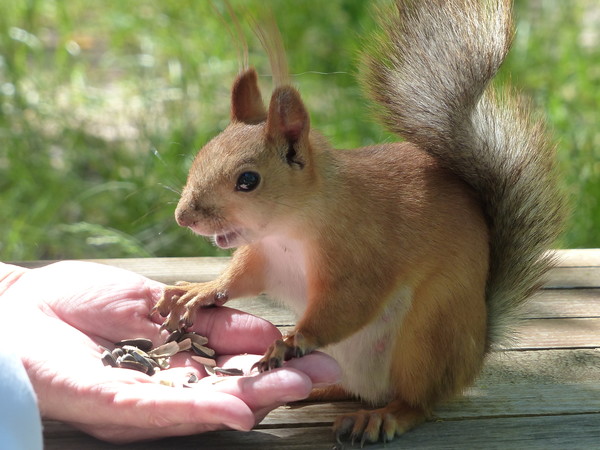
<point x="103" y="105"/>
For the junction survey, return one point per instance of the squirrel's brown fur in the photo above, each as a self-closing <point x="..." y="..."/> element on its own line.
<point x="404" y="261"/>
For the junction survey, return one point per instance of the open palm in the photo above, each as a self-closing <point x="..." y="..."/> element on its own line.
<point x="60" y="315"/>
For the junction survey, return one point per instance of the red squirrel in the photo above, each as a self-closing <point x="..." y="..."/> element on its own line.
<point x="404" y="261"/>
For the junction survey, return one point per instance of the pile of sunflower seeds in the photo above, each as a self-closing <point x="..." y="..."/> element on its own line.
<point x="141" y="355"/>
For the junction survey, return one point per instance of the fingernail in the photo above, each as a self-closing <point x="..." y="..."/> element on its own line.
<point x="236" y="426"/>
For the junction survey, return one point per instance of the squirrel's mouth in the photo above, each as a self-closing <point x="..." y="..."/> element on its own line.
<point x="228" y="239"/>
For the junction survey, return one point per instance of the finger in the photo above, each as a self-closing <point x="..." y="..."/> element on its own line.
<point x="322" y="369"/>
<point x="171" y="423"/>
<point x="232" y="332"/>
<point x="119" y="434"/>
<point x="152" y="405"/>
<point x="265" y="390"/>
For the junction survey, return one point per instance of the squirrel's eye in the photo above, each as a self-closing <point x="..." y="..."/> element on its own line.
<point x="247" y="181"/>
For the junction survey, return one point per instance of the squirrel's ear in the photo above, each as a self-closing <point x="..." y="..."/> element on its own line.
<point x="246" y="102"/>
<point x="288" y="120"/>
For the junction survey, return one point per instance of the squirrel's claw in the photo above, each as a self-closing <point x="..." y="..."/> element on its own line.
<point x="379" y="425"/>
<point x="180" y="302"/>
<point x="274" y="357"/>
<point x="294" y="345"/>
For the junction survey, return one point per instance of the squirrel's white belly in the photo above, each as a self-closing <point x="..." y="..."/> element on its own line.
<point x="286" y="273"/>
<point x="366" y="356"/>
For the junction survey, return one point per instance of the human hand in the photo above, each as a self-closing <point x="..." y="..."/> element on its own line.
<point x="57" y="316"/>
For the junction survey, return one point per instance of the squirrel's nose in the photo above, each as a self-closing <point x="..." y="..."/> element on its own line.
<point x="183" y="217"/>
<point x="188" y="213"/>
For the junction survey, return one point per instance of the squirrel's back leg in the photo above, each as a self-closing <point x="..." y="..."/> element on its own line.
<point x="438" y="351"/>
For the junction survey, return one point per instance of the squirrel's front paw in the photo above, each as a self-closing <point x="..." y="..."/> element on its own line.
<point x="179" y="303"/>
<point x="294" y="345"/>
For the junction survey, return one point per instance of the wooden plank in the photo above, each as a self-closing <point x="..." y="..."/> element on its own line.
<point x="501" y="400"/>
<point x="169" y="270"/>
<point x="265" y="308"/>
<point x="541" y="367"/>
<point x="578" y="257"/>
<point x="165" y="270"/>
<point x="551" y="303"/>
<point x="548" y="304"/>
<point x="544" y="335"/>
<point x="531" y="433"/>
<point x="568" y="331"/>
<point x="534" y="334"/>
<point x="557" y="333"/>
<point x="563" y="303"/>
<point x="572" y="432"/>
<point x="573" y="278"/>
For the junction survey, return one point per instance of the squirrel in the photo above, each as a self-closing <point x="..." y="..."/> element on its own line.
<point x="408" y="261"/>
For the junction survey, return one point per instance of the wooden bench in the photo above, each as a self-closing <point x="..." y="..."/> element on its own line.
<point x="541" y="392"/>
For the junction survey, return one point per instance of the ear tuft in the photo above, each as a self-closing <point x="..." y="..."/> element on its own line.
<point x="287" y="117"/>
<point x="246" y="101"/>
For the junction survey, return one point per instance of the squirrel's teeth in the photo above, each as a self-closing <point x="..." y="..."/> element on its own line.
<point x="226" y="240"/>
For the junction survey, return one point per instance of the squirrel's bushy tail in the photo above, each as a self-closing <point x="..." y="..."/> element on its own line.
<point x="431" y="73"/>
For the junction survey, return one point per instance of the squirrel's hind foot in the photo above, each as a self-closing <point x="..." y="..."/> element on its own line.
<point x="378" y="425"/>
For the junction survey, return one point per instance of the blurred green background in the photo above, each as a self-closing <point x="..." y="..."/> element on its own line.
<point x="103" y="105"/>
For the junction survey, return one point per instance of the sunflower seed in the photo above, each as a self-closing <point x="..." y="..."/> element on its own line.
<point x="128" y="364"/>
<point x="185" y="344"/>
<point x="108" y="359"/>
<point x="174" y="336"/>
<point x="125" y="357"/>
<point x="165" y="350"/>
<point x="134" y="351"/>
<point x="153" y="363"/>
<point x="141" y="343"/>
<point x="193" y="378"/>
<point x="163" y="363"/>
<point x="201" y="350"/>
<point x="139" y="354"/>
<point x="228" y="372"/>
<point x="204" y="360"/>
<point x="145" y="361"/>
<point x="196" y="338"/>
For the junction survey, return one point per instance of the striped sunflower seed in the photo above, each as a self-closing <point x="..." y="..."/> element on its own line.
<point x="108" y="359"/>
<point x="165" y="350"/>
<point x="128" y="364"/>
<point x="195" y="338"/>
<point x="228" y="372"/>
<point x="139" y="354"/>
<point x="184" y="344"/>
<point x="202" y="350"/>
<point x="142" y="343"/>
